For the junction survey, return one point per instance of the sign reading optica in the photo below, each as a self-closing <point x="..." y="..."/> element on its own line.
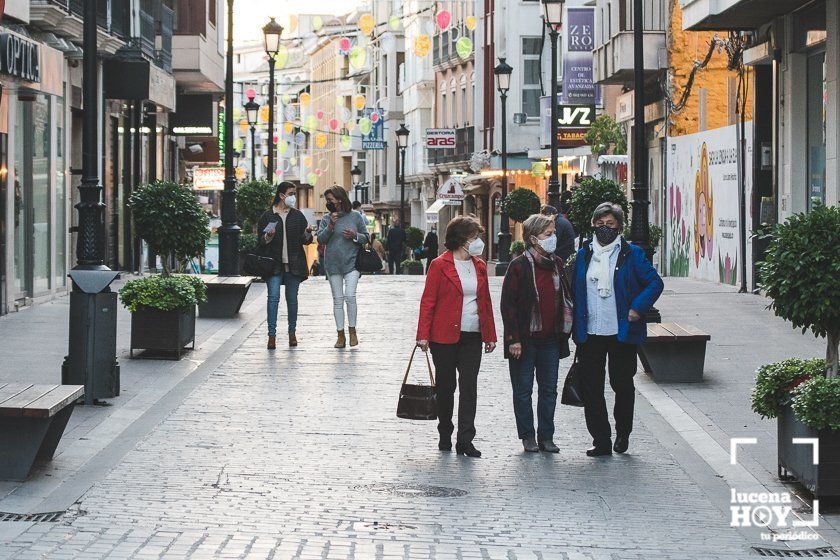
<point x="208" y="178"/>
<point x="20" y="58"/>
<point x="440" y="138"/>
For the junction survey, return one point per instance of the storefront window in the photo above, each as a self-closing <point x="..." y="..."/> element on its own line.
<point x="41" y="279"/>
<point x="60" y="200"/>
<point x="816" y="111"/>
<point x="20" y="286"/>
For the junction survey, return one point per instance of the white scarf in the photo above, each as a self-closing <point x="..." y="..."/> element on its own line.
<point x="600" y="270"/>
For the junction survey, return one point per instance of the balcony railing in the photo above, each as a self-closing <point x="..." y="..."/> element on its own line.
<point x="165" y="24"/>
<point x="444" y="46"/>
<point x="463" y="150"/>
<point x="147" y="27"/>
<point x="111" y="15"/>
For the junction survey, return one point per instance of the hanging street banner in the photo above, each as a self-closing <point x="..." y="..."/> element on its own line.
<point x="578" y="72"/>
<point x="375" y="139"/>
<point x="440" y="138"/>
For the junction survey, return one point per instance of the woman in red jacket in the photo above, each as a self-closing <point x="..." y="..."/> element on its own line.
<point x="456" y="317"/>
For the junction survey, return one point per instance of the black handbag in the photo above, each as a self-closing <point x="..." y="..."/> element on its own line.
<point x="367" y="260"/>
<point x="418" y="402"/>
<point x="572" y="388"/>
<point x="258" y="265"/>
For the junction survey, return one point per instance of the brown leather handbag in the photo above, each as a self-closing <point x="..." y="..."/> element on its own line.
<point x="418" y="402"/>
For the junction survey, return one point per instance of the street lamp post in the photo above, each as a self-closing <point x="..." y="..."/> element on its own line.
<point x="91" y="358"/>
<point x="229" y="230"/>
<point x="356" y="174"/>
<point x="503" y="71"/>
<point x="252" y="110"/>
<point x="271" y="35"/>
<point x="553" y="14"/>
<point x="402" y="144"/>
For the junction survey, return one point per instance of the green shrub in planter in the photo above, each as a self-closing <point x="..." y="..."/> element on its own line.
<point x="413" y="238"/>
<point x="252" y="199"/>
<point x="587" y="196"/>
<point x="517" y="248"/>
<point x="774" y="383"/>
<point x="412" y="265"/>
<point x="815" y="402"/>
<point x="248" y="242"/>
<point x="165" y="293"/>
<point x="801" y="274"/>
<point x="520" y="205"/>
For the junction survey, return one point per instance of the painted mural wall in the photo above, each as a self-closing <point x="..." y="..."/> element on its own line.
<point x="703" y="205"/>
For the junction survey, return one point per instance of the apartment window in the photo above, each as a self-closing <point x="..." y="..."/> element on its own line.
<point x="443" y="106"/>
<point x="452" y="107"/>
<point x="211" y="7"/>
<point x="531" y="71"/>
<point x="463" y="84"/>
<point x="622" y="16"/>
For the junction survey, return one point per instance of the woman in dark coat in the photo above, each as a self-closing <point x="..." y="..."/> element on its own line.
<point x="537" y="319"/>
<point x="283" y="231"/>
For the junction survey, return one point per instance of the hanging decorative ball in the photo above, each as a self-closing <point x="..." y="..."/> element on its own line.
<point x="387" y="42"/>
<point x="321" y="140"/>
<point x="359" y="102"/>
<point x="394" y="23"/>
<point x="305" y="98"/>
<point x="470" y="23"/>
<point x="320" y="114"/>
<point x="374" y="117"/>
<point x="344" y="45"/>
<point x="366" y="23"/>
<point x="358" y="57"/>
<point x="333" y="124"/>
<point x="317" y="23"/>
<point x="281" y="57"/>
<point x="311" y="178"/>
<point x="288" y="127"/>
<point x="443" y="18"/>
<point x="365" y="126"/>
<point x="250" y="93"/>
<point x="422" y="44"/>
<point x="464" y="47"/>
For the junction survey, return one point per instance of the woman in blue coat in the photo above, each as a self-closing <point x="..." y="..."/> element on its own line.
<point x="614" y="286"/>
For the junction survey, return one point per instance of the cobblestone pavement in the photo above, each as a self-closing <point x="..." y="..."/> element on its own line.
<point x="298" y="454"/>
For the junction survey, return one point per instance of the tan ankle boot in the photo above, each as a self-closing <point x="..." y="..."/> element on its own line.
<point x="341" y="342"/>
<point x="354" y="340"/>
<point x="272" y="342"/>
<point x="292" y="339"/>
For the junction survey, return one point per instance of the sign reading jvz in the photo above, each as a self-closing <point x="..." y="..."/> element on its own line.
<point x="574" y="121"/>
<point x="20" y="58"/>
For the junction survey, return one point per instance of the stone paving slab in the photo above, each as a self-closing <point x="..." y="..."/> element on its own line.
<point x="298" y="454"/>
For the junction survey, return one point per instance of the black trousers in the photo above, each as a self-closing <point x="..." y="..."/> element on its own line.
<point x="622" y="367"/>
<point x="464" y="357"/>
<point x="394" y="263"/>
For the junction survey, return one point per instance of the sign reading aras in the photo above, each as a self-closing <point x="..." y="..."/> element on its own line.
<point x="20" y="58"/>
<point x="440" y="138"/>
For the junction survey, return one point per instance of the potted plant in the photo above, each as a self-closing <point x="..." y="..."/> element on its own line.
<point x="517" y="248"/>
<point x="252" y="199"/>
<point x="801" y="274"/>
<point x="410" y="266"/>
<point x="413" y="240"/>
<point x="170" y="220"/>
<point x="520" y="204"/>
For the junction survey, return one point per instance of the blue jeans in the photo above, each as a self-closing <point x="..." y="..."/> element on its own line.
<point x="292" y="283"/>
<point x="543" y="356"/>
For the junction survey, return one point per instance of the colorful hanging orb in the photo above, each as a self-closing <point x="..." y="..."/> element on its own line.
<point x="359" y="102"/>
<point x="470" y="23"/>
<point x="282" y="147"/>
<point x="311" y="123"/>
<point x="290" y="111"/>
<point x="333" y="124"/>
<point x="394" y="23"/>
<point x="365" y="125"/>
<point x="263" y="114"/>
<point x="240" y="173"/>
<point x="244" y="126"/>
<point x="319" y="114"/>
<point x="275" y="137"/>
<point x="358" y="57"/>
<point x="374" y="117"/>
<point x="307" y="161"/>
<point x="305" y="98"/>
<point x="282" y="57"/>
<point x="318" y="172"/>
<point x="250" y="93"/>
<point x="321" y="140"/>
<point x="285" y="99"/>
<point x="387" y="42"/>
<point x="538" y="169"/>
<point x="345" y="141"/>
<point x="422" y="44"/>
<point x="238" y="113"/>
<point x="346" y="114"/>
<point x="464" y="47"/>
<point x="350" y="125"/>
<point x="293" y="22"/>
<point x="430" y="27"/>
<point x="443" y="18"/>
<point x="278" y="172"/>
<point x="317" y="23"/>
<point x="265" y="160"/>
<point x="293" y="161"/>
<point x="344" y="45"/>
<point x="238" y="145"/>
<point x="311" y="178"/>
<point x="366" y="23"/>
<point x="288" y="127"/>
<point x="300" y="138"/>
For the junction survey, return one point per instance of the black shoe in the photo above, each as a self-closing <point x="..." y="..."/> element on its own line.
<point x="467" y="449"/>
<point x="621" y="444"/>
<point x="530" y="445"/>
<point x="549" y="447"/>
<point x="445" y="444"/>
<point x="598" y="451"/>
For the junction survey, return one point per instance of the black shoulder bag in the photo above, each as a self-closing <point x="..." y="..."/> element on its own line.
<point x="418" y="402"/>
<point x="367" y="261"/>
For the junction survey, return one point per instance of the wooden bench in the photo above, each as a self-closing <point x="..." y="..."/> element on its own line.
<point x="225" y="295"/>
<point x="32" y="421"/>
<point x="674" y="353"/>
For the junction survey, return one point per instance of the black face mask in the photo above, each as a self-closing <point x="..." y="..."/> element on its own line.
<point x="606" y="234"/>
<point x="331" y="207"/>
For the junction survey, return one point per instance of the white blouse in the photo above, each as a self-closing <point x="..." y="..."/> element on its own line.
<point x="469" y="284"/>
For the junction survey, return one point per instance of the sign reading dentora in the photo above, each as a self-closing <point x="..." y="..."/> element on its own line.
<point x="20" y="58"/>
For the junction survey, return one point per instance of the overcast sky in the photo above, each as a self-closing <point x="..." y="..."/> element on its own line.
<point x="251" y="15"/>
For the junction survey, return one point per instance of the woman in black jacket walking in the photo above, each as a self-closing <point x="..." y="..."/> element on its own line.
<point x="284" y="230"/>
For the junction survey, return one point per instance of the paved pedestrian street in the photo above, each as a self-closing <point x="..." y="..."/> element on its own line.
<point x="297" y="453"/>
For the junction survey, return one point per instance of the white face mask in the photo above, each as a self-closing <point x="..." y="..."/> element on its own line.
<point x="290" y="200"/>
<point x="549" y="244"/>
<point x="476" y="247"/>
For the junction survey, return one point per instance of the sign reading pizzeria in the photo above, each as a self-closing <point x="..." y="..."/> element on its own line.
<point x="20" y="58"/>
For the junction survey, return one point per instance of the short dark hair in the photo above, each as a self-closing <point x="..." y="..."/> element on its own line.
<point x="548" y="210"/>
<point x="609" y="209"/>
<point x="460" y="229"/>
<point x="282" y="188"/>
<point x="356" y="205"/>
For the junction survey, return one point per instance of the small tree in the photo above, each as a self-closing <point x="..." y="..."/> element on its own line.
<point x="605" y="132"/>
<point x="169" y="218"/>
<point x="252" y="199"/>
<point x="413" y="239"/>
<point x="801" y="274"/>
<point x="520" y="205"/>
<point x="588" y="196"/>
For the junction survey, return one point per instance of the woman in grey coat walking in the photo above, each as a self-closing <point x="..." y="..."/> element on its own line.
<point x="343" y="232"/>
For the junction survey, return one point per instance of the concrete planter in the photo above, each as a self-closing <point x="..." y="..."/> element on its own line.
<point x="171" y="331"/>
<point x="413" y="270"/>
<point x="796" y="460"/>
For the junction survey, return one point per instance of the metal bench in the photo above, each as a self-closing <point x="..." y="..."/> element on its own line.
<point x="32" y="421"/>
<point x="674" y="353"/>
<point x="225" y="295"/>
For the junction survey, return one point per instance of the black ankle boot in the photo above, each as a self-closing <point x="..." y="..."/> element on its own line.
<point x="467" y="449"/>
<point x="445" y="444"/>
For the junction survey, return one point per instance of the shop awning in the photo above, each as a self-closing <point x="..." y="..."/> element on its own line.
<point x="436" y="206"/>
<point x="612" y="159"/>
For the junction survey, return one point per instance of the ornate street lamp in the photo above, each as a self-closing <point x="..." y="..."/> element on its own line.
<point x="402" y="144"/>
<point x="229" y="231"/>
<point x="553" y="18"/>
<point x="271" y="35"/>
<point x="252" y="110"/>
<point x="356" y="175"/>
<point x="503" y="70"/>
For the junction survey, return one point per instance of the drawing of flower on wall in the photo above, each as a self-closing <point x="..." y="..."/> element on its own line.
<point x="680" y="235"/>
<point x="727" y="269"/>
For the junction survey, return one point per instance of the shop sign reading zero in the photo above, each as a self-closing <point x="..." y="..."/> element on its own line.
<point x="440" y="138"/>
<point x="19" y="57"/>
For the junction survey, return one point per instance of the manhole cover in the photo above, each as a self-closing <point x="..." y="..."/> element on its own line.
<point x="822" y="552"/>
<point x="413" y="490"/>
<point x="49" y="517"/>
